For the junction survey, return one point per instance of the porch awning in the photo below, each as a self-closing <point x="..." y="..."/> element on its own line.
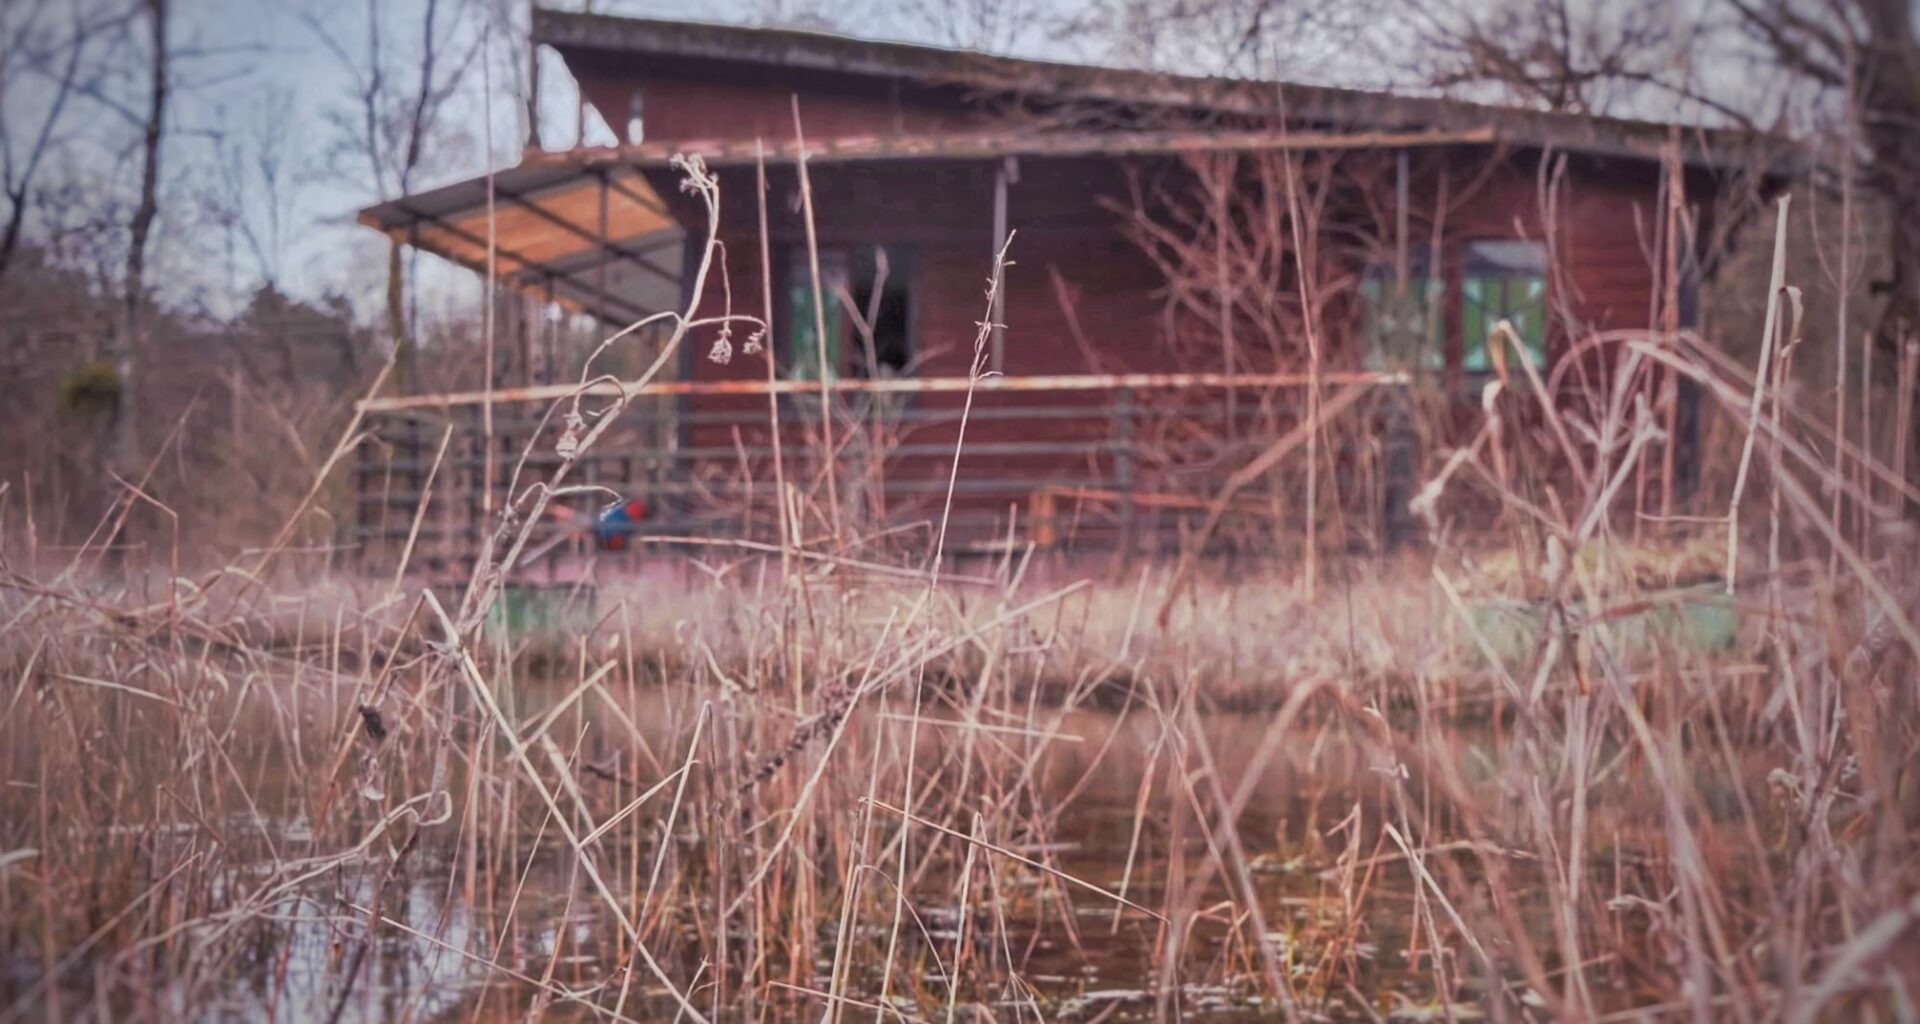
<point x="598" y="240"/>
<point x="585" y="227"/>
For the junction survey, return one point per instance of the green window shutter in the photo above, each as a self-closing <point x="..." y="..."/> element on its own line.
<point x="803" y="344"/>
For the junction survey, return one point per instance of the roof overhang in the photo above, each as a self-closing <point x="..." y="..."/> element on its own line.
<point x="595" y="239"/>
<point x="585" y="228"/>
<point x="1306" y="106"/>
<point x="965" y="146"/>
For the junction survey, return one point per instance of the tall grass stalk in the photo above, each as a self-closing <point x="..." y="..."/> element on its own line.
<point x="1550" y="771"/>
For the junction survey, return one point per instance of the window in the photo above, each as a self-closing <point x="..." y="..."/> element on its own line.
<point x="1504" y="280"/>
<point x="804" y="359"/>
<point x="1400" y="329"/>
<point x="866" y="317"/>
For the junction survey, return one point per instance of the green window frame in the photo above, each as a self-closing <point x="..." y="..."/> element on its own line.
<point x="1502" y="280"/>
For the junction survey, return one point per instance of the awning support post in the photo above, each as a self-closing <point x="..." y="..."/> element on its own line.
<point x="1004" y="173"/>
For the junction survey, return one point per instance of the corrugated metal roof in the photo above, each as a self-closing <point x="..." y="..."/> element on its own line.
<point x="585" y="225"/>
<point x="598" y="240"/>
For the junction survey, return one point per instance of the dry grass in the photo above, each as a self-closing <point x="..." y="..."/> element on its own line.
<point x="842" y="792"/>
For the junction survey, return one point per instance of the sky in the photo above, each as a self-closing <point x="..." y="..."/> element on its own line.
<point x="254" y="147"/>
<point x="292" y="71"/>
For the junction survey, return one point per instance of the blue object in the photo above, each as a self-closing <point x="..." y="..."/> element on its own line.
<point x="615" y="523"/>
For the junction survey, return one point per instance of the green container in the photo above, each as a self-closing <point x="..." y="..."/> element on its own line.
<point x="534" y="610"/>
<point x="1701" y="622"/>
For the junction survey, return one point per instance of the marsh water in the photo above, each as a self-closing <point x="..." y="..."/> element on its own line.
<point x="1107" y="814"/>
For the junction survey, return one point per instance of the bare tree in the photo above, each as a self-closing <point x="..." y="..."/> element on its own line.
<point x="1870" y="50"/>
<point x="252" y="192"/>
<point x="126" y="343"/>
<point x="1262" y="39"/>
<point x="990" y="26"/>
<point x="1752" y="63"/>
<point x="63" y="55"/>
<point x="392" y="122"/>
<point x="1591" y="58"/>
<point x="509" y="45"/>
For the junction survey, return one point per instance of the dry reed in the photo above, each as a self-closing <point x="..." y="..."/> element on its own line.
<point x="1553" y="774"/>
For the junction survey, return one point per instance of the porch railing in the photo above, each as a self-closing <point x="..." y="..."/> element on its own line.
<point x="1065" y="462"/>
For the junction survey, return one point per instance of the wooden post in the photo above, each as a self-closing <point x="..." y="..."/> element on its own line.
<point x="1222" y="219"/>
<point x="481" y="478"/>
<point x="1040" y="518"/>
<point x="1398" y="476"/>
<point x="550" y="359"/>
<point x="1124" y="466"/>
<point x="362" y="515"/>
<point x="1668" y="397"/>
<point x="1004" y="173"/>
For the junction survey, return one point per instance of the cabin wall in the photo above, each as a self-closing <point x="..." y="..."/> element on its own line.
<point x="1600" y="237"/>
<point x="1068" y="239"/>
<point x="1602" y="240"/>
<point x="1073" y="266"/>
<point x="1080" y="296"/>
<point x="941" y="217"/>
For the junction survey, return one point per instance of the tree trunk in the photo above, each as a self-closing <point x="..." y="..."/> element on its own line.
<point x="1889" y="106"/>
<point x="1891" y="129"/>
<point x="423" y="111"/>
<point x="130" y="340"/>
<point x="10" y="235"/>
<point x="397" y="317"/>
<point x="1900" y="318"/>
<point x="19" y="189"/>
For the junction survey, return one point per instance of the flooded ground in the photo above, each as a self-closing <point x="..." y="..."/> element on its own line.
<point x="490" y="935"/>
<point x="632" y="850"/>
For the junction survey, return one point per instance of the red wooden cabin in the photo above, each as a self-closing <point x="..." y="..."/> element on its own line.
<point x="1162" y="225"/>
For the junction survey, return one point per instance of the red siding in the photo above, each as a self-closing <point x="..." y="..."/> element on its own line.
<point x="1062" y="212"/>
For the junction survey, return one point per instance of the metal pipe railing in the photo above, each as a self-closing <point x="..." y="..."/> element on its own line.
<point x="1126" y="469"/>
<point x="884" y="385"/>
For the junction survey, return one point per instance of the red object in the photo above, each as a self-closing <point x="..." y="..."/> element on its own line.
<point x="618" y="520"/>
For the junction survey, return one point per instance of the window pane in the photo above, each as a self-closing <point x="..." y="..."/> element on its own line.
<point x="1527" y="309"/>
<point x="1503" y="280"/>
<point x="880" y="294"/>
<point x="804" y="360"/>
<point x="856" y="283"/>
<point x="1474" y="293"/>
